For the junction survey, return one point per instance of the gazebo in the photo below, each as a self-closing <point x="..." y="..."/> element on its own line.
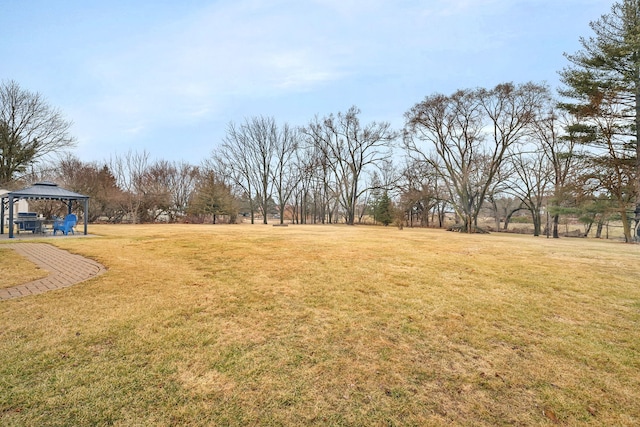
<point x="41" y="191"/>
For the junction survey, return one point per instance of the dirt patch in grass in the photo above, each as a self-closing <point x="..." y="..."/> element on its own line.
<point x="324" y="325"/>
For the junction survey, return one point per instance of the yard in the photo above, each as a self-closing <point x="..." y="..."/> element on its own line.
<point x="327" y="325"/>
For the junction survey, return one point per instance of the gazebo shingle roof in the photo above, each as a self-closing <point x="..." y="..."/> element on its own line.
<point x="46" y="190"/>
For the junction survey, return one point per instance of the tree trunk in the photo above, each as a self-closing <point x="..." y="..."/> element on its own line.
<point x="537" y="222"/>
<point x="507" y="218"/>
<point x="469" y="224"/>
<point x="496" y="213"/>
<point x="637" y="122"/>
<point x="626" y="226"/>
<point x="441" y="215"/>
<point x="265" y="209"/>
<point x="599" y="228"/>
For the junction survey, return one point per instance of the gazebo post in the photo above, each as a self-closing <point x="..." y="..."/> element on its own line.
<point x="1" y="215"/>
<point x="86" y="215"/>
<point x="10" y="216"/>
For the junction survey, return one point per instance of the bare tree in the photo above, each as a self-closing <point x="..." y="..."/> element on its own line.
<point x="349" y="150"/>
<point x="530" y="182"/>
<point x="182" y="183"/>
<point x="284" y="173"/>
<point x="500" y="198"/>
<point x="325" y="189"/>
<point x="419" y="195"/>
<point x="231" y="161"/>
<point x="94" y="180"/>
<point x="247" y="153"/>
<point x="303" y="196"/>
<point x="155" y="188"/>
<point x="470" y="133"/>
<point x="129" y="171"/>
<point x="30" y="130"/>
<point x="554" y="134"/>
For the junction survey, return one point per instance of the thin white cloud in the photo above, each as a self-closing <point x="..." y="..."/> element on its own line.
<point x="199" y="67"/>
<point x="191" y="69"/>
<point x="228" y="50"/>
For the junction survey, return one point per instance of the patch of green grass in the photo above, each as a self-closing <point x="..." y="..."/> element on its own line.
<point x="328" y="325"/>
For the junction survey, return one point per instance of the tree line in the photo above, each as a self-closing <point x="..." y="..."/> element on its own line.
<point x="504" y="150"/>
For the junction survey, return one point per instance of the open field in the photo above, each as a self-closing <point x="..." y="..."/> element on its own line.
<point x="328" y="325"/>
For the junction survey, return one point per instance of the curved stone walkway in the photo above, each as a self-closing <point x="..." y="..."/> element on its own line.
<point x="65" y="269"/>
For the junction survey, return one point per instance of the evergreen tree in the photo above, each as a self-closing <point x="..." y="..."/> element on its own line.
<point x="604" y="80"/>
<point x="214" y="197"/>
<point x="384" y="210"/>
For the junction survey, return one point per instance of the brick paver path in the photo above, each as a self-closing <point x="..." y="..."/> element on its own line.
<point x="65" y="269"/>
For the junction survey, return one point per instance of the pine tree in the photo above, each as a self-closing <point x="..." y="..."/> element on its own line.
<point x="604" y="80"/>
<point x="384" y="210"/>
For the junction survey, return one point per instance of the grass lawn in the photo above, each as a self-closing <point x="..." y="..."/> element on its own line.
<point x="16" y="270"/>
<point x="328" y="325"/>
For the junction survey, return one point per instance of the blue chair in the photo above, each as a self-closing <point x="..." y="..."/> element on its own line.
<point x="66" y="225"/>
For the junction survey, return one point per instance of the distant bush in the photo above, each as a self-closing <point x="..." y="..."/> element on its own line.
<point x="520" y="230"/>
<point x="520" y="220"/>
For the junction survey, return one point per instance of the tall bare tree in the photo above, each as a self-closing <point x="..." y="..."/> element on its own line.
<point x="349" y="150"/>
<point x="324" y="187"/>
<point x="469" y="134"/>
<point x="248" y="152"/>
<point x="420" y="196"/>
<point x="130" y="171"/>
<point x="156" y="191"/>
<point x="232" y="160"/>
<point x="303" y="195"/>
<point x="30" y="130"/>
<point x="285" y="174"/>
<point x="94" y="180"/>
<point x="182" y="184"/>
<point x="530" y="181"/>
<point x="554" y="135"/>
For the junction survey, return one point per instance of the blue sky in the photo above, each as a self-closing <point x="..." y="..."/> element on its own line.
<point x="168" y="76"/>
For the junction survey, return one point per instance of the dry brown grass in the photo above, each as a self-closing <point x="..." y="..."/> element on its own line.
<point x="16" y="270"/>
<point x="328" y="325"/>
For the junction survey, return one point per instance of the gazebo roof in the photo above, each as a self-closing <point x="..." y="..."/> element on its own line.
<point x="45" y="190"/>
